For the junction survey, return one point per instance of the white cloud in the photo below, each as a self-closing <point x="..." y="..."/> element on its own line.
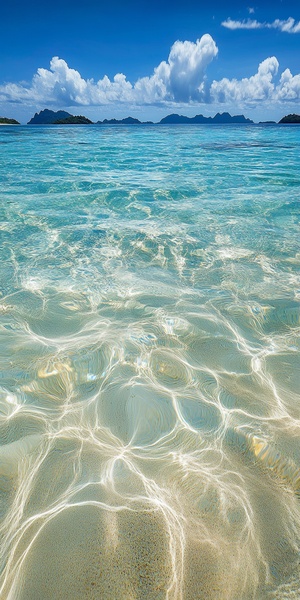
<point x="188" y="63"/>
<point x="259" y="88"/>
<point x="179" y="79"/>
<point x="288" y="89"/>
<point x="288" y="26"/>
<point x="250" y="90"/>
<point x="182" y="78"/>
<point x="245" y="24"/>
<point x="64" y="86"/>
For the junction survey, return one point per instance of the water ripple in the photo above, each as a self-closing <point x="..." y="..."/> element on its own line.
<point x="149" y="348"/>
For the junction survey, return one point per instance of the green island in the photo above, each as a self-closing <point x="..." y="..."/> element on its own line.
<point x="290" y="119"/>
<point x="6" y="121"/>
<point x="76" y="120"/>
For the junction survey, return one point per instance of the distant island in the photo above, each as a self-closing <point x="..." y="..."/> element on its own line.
<point x="6" y="121"/>
<point x="180" y="119"/>
<point x="126" y="121"/>
<point x="218" y="118"/>
<point x="61" y="117"/>
<point x="48" y="117"/>
<point x="76" y="120"/>
<point x="290" y="119"/>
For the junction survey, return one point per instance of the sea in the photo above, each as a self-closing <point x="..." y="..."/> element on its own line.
<point x="149" y="353"/>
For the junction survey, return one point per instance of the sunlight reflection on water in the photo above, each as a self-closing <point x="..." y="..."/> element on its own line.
<point x="149" y="391"/>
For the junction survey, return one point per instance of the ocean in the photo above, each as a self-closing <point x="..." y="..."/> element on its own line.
<point x="149" y="347"/>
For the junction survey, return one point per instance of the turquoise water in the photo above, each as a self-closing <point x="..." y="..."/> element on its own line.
<point x="149" y="346"/>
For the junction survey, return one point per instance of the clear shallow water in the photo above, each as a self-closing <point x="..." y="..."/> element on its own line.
<point x="149" y="346"/>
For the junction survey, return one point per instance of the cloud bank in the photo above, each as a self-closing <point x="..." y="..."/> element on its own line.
<point x="181" y="79"/>
<point x="258" y="88"/>
<point x="254" y="89"/>
<point x="288" y="26"/>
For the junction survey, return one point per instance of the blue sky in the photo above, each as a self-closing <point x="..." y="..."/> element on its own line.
<point x="186" y="57"/>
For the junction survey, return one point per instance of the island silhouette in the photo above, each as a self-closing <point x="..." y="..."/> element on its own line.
<point x="62" y="117"/>
<point x="50" y="117"/>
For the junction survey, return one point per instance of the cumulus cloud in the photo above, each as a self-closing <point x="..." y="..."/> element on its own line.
<point x="288" y="89"/>
<point x="179" y="79"/>
<point x="187" y="66"/>
<point x="254" y="89"/>
<point x="64" y="86"/>
<point x="182" y="77"/>
<point x="259" y="87"/>
<point x="289" y="25"/>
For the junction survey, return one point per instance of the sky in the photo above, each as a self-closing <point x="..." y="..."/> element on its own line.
<point x="150" y="58"/>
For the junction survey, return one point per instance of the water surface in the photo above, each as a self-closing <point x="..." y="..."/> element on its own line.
<point x="149" y="347"/>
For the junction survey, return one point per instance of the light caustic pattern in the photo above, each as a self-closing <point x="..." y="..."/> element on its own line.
<point x="149" y="321"/>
